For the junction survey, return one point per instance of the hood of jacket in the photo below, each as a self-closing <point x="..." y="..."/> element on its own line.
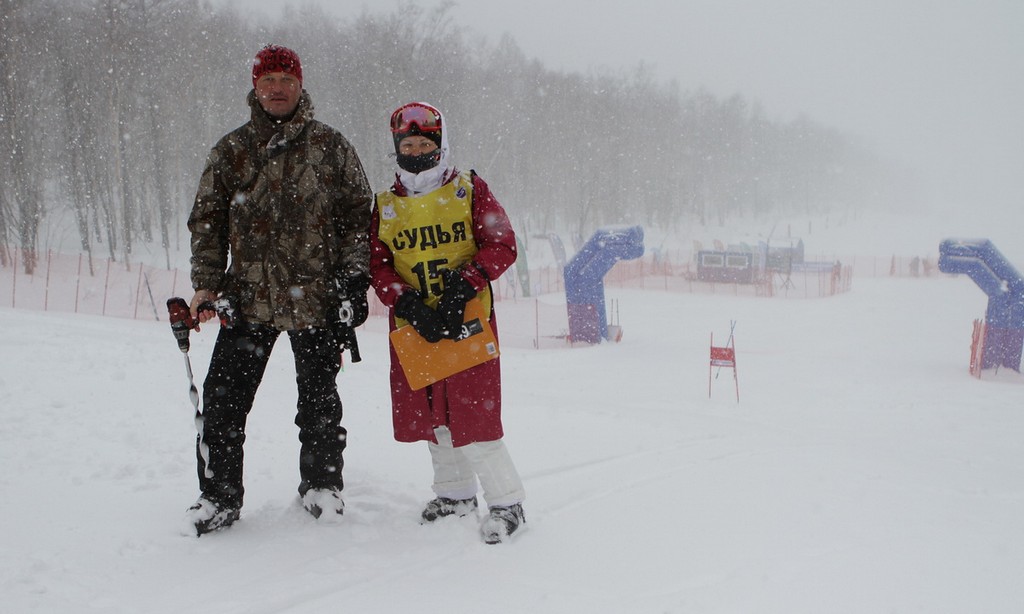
<point x="432" y="178"/>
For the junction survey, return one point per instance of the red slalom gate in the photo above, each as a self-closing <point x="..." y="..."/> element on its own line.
<point x="724" y="356"/>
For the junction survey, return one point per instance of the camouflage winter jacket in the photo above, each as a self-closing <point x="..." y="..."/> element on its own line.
<point x="290" y="203"/>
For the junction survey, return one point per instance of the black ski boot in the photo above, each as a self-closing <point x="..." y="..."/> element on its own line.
<point x="502" y="523"/>
<point x="443" y="506"/>
<point x="324" y="504"/>
<point x="207" y="516"/>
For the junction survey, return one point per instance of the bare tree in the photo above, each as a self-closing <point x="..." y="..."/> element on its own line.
<point x="20" y="110"/>
<point x="113" y="105"/>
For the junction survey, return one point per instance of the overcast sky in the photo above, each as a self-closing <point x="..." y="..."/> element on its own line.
<point x="936" y="84"/>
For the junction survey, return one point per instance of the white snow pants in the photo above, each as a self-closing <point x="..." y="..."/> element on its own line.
<point x="456" y="470"/>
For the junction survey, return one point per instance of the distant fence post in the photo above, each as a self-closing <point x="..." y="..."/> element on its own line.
<point x="149" y="289"/>
<point x="46" y="292"/>
<point x="106" y="289"/>
<point x="78" y="281"/>
<point x="14" y="277"/>
<point x="138" y="291"/>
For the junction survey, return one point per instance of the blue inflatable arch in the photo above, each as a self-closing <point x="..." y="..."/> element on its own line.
<point x="584" y="279"/>
<point x="1004" y="318"/>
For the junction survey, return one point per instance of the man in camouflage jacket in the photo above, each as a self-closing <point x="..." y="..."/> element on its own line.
<point x="286" y="197"/>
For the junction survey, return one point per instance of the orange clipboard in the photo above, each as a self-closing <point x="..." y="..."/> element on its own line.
<point x="425" y="363"/>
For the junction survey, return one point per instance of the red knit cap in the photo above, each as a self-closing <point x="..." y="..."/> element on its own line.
<point x="274" y="58"/>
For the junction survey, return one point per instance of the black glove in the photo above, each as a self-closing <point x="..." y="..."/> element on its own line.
<point x="355" y="309"/>
<point x="424" y="320"/>
<point x="352" y="304"/>
<point x="452" y="308"/>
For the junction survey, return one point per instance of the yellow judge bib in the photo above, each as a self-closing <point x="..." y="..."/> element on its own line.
<point x="430" y="233"/>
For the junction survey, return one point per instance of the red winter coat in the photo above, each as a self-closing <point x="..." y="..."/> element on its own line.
<point x="468" y="403"/>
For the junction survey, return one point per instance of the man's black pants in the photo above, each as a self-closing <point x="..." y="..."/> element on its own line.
<point x="236" y="369"/>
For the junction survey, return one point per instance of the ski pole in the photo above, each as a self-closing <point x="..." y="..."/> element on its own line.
<point x="181" y="323"/>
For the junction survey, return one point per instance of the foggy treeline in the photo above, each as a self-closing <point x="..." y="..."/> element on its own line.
<point x="109" y="108"/>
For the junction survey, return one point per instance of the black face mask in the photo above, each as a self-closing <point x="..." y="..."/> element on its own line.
<point x="420" y="163"/>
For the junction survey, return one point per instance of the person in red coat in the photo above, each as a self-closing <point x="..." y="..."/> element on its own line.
<point x="438" y="237"/>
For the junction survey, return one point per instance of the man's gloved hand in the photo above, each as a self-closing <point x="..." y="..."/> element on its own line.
<point x="353" y="311"/>
<point x="423" y="319"/>
<point x="352" y="303"/>
<point x="452" y="308"/>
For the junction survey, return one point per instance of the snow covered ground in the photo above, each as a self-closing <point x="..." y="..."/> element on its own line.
<point x="863" y="470"/>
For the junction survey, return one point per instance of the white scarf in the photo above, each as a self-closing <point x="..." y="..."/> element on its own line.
<point x="427" y="181"/>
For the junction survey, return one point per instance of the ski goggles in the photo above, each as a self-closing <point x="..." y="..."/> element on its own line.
<point x="415" y="116"/>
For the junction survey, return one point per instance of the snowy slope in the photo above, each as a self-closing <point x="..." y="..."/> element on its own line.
<point x="864" y="470"/>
